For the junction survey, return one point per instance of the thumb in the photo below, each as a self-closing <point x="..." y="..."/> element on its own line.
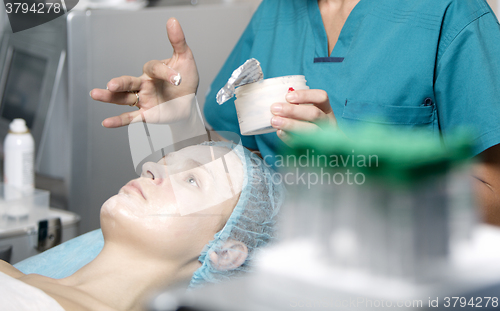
<point x="176" y="36"/>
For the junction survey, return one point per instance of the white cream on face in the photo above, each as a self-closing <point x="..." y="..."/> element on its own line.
<point x="197" y="186"/>
<point x="192" y="180"/>
<point x="146" y="213"/>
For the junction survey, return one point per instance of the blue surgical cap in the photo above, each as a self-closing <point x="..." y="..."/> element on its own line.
<point x="252" y="221"/>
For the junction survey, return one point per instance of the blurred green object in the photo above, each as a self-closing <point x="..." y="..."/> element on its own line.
<point x="401" y="157"/>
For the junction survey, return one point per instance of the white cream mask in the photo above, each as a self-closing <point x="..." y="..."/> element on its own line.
<point x="202" y="177"/>
<point x="182" y="186"/>
<point x="225" y="186"/>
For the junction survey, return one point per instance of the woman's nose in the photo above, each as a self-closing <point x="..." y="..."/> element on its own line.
<point x="155" y="171"/>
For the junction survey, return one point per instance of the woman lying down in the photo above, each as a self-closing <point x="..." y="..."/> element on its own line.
<point x="198" y="214"/>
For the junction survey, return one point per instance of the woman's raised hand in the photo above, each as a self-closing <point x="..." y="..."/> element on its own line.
<point x="158" y="84"/>
<point x="294" y="116"/>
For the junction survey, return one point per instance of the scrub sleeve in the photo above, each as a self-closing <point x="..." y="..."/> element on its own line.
<point x="427" y="64"/>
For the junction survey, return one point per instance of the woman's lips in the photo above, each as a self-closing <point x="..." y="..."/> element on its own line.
<point x="136" y="187"/>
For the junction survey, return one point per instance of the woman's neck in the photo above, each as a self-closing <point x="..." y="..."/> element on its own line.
<point x="121" y="279"/>
<point x="334" y="14"/>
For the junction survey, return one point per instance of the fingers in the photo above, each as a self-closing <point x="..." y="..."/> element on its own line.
<point x="297" y="117"/>
<point x="299" y="112"/>
<point x="124" y="84"/>
<point x="318" y="98"/>
<point x="118" y="91"/>
<point x="291" y="125"/>
<point x="176" y="36"/>
<point x="159" y="70"/>
<point x="285" y="137"/>
<point x="123" y="119"/>
<point x="122" y="98"/>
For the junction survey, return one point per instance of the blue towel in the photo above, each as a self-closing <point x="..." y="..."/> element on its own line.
<point x="65" y="259"/>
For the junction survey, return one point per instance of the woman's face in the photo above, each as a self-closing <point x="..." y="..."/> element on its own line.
<point x="178" y="204"/>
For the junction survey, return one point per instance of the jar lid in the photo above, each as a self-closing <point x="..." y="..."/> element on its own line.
<point x="247" y="73"/>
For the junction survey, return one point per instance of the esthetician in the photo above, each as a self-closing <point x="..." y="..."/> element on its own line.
<point x="427" y="64"/>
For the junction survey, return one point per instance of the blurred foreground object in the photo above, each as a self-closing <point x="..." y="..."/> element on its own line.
<point x="389" y="203"/>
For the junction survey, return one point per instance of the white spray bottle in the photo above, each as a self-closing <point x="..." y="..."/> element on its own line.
<point x="19" y="156"/>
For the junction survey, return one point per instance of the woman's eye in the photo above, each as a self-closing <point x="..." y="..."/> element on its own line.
<point x="192" y="181"/>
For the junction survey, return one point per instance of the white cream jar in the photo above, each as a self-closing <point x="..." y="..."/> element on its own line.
<point x="253" y="102"/>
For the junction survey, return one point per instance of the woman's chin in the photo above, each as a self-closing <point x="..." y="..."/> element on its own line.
<point x="110" y="206"/>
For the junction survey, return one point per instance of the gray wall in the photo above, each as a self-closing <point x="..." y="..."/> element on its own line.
<point x="495" y="5"/>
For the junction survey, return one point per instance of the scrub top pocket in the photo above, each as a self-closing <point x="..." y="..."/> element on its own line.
<point x="422" y="117"/>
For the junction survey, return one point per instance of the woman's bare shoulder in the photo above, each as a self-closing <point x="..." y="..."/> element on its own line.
<point x="68" y="301"/>
<point x="68" y="297"/>
<point x="9" y="269"/>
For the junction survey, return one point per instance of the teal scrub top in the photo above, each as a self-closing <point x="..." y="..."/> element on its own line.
<point x="427" y="64"/>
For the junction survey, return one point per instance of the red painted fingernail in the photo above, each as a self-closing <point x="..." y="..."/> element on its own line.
<point x="291" y="90"/>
